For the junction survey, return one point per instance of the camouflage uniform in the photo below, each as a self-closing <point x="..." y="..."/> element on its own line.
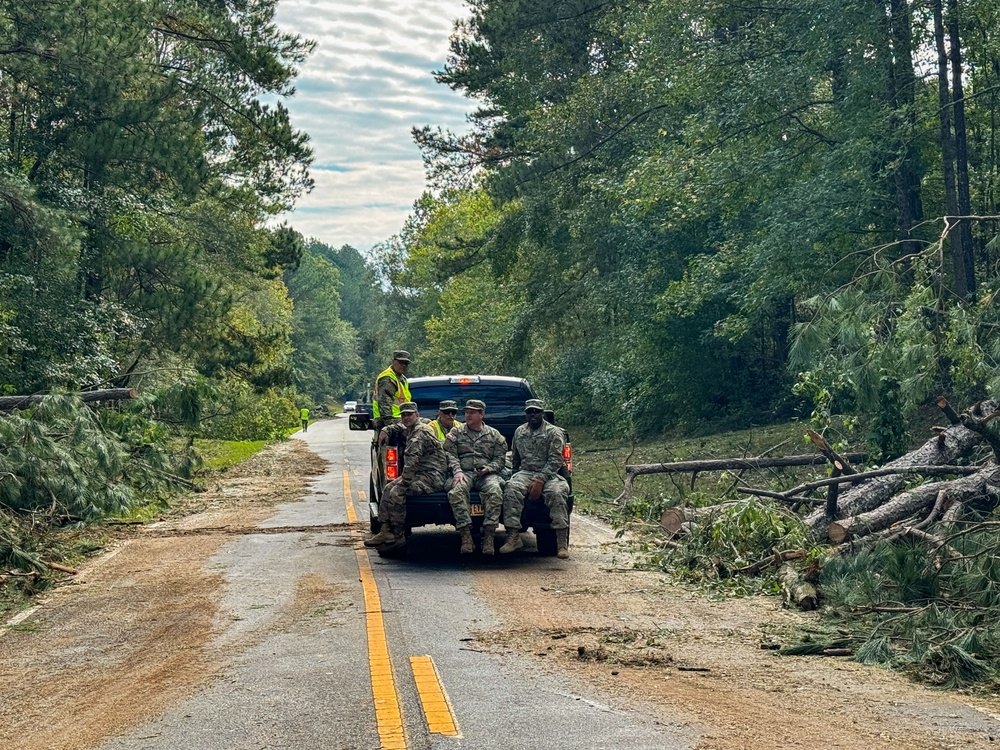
<point x="537" y="454"/>
<point x="468" y="450"/>
<point x="424" y="470"/>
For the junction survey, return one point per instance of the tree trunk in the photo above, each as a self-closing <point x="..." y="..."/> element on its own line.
<point x="961" y="147"/>
<point x="901" y="82"/>
<point x="10" y="403"/>
<point x="917" y="501"/>
<point x="944" y="448"/>
<point x="948" y="154"/>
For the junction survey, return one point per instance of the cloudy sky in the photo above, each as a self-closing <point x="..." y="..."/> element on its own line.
<point x="366" y="85"/>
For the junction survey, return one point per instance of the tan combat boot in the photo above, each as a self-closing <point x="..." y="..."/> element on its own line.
<point x="468" y="546"/>
<point x="397" y="540"/>
<point x="562" y="543"/>
<point x="513" y="542"/>
<point x="488" y="532"/>
<point x="384" y="536"/>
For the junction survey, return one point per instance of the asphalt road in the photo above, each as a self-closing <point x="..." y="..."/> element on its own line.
<point x="330" y="646"/>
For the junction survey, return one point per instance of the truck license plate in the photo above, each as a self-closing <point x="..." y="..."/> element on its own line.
<point x="476" y="509"/>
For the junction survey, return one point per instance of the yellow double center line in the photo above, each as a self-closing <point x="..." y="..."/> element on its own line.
<point x="388" y="714"/>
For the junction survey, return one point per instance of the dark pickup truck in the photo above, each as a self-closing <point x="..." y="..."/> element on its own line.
<point x="504" y="397"/>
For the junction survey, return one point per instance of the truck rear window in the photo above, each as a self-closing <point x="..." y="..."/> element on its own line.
<point x="498" y="398"/>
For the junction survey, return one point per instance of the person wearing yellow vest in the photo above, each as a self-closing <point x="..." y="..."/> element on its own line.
<point x="304" y="416"/>
<point x="391" y="390"/>
<point x="445" y="419"/>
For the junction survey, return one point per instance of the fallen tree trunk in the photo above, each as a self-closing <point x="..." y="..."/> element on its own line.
<point x="985" y="483"/>
<point x="718" y="464"/>
<point x="10" y="403"/>
<point x="948" y="445"/>
<point x="797" y="591"/>
<point x="673" y="519"/>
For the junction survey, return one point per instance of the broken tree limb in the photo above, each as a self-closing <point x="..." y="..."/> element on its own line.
<point x="984" y="428"/>
<point x="775" y="559"/>
<point x="945" y="448"/>
<point x="797" y="591"/>
<point x="949" y="412"/>
<point x="917" y="501"/>
<point x="839" y="462"/>
<point x="717" y="464"/>
<point x="796" y="500"/>
<point x="950" y="518"/>
<point x="938" y="543"/>
<point x="832" y="492"/>
<point x="10" y="403"/>
<point x="61" y="568"/>
<point x="891" y="534"/>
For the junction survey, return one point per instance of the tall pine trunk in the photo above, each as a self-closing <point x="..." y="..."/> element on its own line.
<point x="948" y="151"/>
<point x="901" y="81"/>
<point x="961" y="150"/>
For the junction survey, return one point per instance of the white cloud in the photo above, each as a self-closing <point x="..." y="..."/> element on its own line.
<point x="367" y="84"/>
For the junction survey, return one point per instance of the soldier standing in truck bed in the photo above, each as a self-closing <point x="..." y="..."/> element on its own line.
<point x="536" y="458"/>
<point x="424" y="470"/>
<point x="476" y="453"/>
<point x="391" y="390"/>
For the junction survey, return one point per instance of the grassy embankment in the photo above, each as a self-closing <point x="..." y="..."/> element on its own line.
<point x="70" y="546"/>
<point x="599" y="466"/>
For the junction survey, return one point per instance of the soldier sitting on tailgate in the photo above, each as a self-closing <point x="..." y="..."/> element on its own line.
<point x="536" y="458"/>
<point x="424" y="471"/>
<point x="476" y="453"/>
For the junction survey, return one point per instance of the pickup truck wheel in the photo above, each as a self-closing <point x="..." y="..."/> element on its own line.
<point x="545" y="540"/>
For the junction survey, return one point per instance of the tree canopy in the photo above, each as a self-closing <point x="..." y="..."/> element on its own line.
<point x="679" y="210"/>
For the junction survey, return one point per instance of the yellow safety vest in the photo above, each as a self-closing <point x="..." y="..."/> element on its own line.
<point x="436" y="426"/>
<point x="402" y="393"/>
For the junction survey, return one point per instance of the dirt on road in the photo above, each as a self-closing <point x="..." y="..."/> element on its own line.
<point x="132" y="636"/>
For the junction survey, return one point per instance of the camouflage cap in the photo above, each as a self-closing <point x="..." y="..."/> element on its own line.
<point x="409" y="406"/>
<point x="448" y="406"/>
<point x="401" y="355"/>
<point x="534" y="403"/>
<point x="475" y="403"/>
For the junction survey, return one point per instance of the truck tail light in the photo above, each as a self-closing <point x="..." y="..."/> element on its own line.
<point x="392" y="463"/>
<point x="568" y="457"/>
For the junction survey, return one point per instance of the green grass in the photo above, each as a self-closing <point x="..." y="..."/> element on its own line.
<point x="219" y="455"/>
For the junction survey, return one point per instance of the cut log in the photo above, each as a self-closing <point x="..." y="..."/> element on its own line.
<point x="10" y="403"/>
<point x="674" y="520"/>
<point x="950" y="444"/>
<point x="796" y="590"/>
<point x="920" y="500"/>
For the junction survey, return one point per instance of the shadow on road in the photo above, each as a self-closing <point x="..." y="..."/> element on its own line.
<point x="436" y="548"/>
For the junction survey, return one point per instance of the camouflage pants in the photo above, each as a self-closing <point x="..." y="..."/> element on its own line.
<point x="392" y="507"/>
<point x="490" y="489"/>
<point x="554" y="495"/>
